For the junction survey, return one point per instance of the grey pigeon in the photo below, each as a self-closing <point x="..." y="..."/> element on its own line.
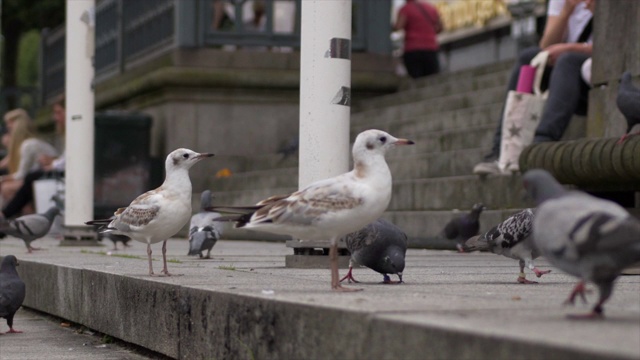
<point x="587" y="237"/>
<point x="12" y="290"/>
<point x="628" y="102"/>
<point x="380" y="246"/>
<point x="30" y="227"/>
<point x="511" y="238"/>
<point x="203" y="231"/>
<point x="462" y="227"/>
<point x="115" y="238"/>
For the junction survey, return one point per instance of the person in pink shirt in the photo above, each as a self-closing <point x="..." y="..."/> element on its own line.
<point x="421" y="23"/>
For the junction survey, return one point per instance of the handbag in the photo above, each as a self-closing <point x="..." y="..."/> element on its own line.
<point x="522" y="113"/>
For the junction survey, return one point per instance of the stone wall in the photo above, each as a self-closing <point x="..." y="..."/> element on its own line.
<point x="616" y="49"/>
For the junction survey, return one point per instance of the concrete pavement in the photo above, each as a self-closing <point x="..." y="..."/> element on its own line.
<point x="46" y="338"/>
<point x="244" y="303"/>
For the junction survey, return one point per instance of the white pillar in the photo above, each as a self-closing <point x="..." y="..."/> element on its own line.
<point x="79" y="143"/>
<point x="325" y="89"/>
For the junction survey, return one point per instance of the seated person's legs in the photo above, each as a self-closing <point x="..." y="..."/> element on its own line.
<point x="23" y="195"/>
<point x="488" y="166"/>
<point x="568" y="95"/>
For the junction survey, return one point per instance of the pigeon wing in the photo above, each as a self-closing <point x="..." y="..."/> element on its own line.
<point x="12" y="293"/>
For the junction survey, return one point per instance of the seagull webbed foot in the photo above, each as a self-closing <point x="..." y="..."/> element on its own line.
<point x="341" y="288"/>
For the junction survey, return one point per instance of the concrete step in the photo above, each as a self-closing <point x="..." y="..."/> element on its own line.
<point x="458" y="192"/>
<point x="416" y="166"/>
<point x="430" y="106"/>
<point x="260" y="179"/>
<point x="424" y="228"/>
<point x="434" y="164"/>
<point x="245" y="304"/>
<point x="248" y="196"/>
<point x="497" y="67"/>
<point x="436" y="90"/>
<point x="486" y="114"/>
<point x="256" y="162"/>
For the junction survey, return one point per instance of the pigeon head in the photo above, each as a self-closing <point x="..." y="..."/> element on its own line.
<point x="375" y="142"/>
<point x="9" y="264"/>
<point x="478" y="208"/>
<point x="205" y="199"/>
<point x="392" y="261"/>
<point x="541" y="185"/>
<point x="184" y="159"/>
<point x="52" y="212"/>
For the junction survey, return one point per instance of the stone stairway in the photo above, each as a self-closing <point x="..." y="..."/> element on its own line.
<point x="451" y="117"/>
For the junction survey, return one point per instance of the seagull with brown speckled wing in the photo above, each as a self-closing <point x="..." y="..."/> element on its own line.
<point x="330" y="208"/>
<point x="158" y="214"/>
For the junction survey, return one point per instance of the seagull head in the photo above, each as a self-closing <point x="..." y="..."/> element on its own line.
<point x="374" y="141"/>
<point x="184" y="158"/>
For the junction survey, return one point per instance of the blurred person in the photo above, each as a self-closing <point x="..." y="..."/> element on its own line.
<point x="421" y="23"/>
<point x="567" y="38"/>
<point x="22" y="201"/>
<point x="24" y="150"/>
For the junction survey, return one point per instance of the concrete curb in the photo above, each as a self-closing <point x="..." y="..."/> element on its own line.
<point x="210" y="313"/>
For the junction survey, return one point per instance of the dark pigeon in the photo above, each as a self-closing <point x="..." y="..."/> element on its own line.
<point x="12" y="290"/>
<point x="380" y="246"/>
<point x="628" y="102"/>
<point x="203" y="231"/>
<point x="30" y="227"/>
<point x="511" y="238"/>
<point x="116" y="238"/>
<point x="587" y="237"/>
<point x="462" y="227"/>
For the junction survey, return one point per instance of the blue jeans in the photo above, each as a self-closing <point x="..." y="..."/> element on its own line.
<point x="568" y="95"/>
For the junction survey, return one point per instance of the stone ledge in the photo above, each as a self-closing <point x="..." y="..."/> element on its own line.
<point x="456" y="306"/>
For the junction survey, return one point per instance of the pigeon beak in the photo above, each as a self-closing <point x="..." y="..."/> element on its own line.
<point x="403" y="142"/>
<point x="203" y="155"/>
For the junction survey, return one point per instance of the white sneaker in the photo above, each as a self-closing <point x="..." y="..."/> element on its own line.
<point x="487" y="168"/>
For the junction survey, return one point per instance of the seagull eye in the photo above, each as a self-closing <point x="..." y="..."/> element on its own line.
<point x="383" y="139"/>
<point x="186" y="156"/>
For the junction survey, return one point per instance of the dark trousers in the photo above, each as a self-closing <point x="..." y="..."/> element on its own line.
<point x="421" y="63"/>
<point x="568" y="95"/>
<point x="24" y="195"/>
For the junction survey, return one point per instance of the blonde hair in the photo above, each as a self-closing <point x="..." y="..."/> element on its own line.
<point x="22" y="130"/>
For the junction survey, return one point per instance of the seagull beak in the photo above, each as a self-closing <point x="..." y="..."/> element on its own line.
<point x="203" y="155"/>
<point x="403" y="142"/>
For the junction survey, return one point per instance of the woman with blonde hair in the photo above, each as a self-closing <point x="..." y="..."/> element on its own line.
<point x="24" y="150"/>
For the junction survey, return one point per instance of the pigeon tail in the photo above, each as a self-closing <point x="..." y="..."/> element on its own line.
<point x="476" y="243"/>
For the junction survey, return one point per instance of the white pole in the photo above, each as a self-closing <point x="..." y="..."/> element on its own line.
<point x="79" y="143"/>
<point x="325" y="89"/>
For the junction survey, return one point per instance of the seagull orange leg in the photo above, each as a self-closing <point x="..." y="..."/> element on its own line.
<point x="164" y="258"/>
<point x="149" y="255"/>
<point x="335" y="276"/>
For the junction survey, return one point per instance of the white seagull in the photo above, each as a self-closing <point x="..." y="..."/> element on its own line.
<point x="158" y="214"/>
<point x="330" y="208"/>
